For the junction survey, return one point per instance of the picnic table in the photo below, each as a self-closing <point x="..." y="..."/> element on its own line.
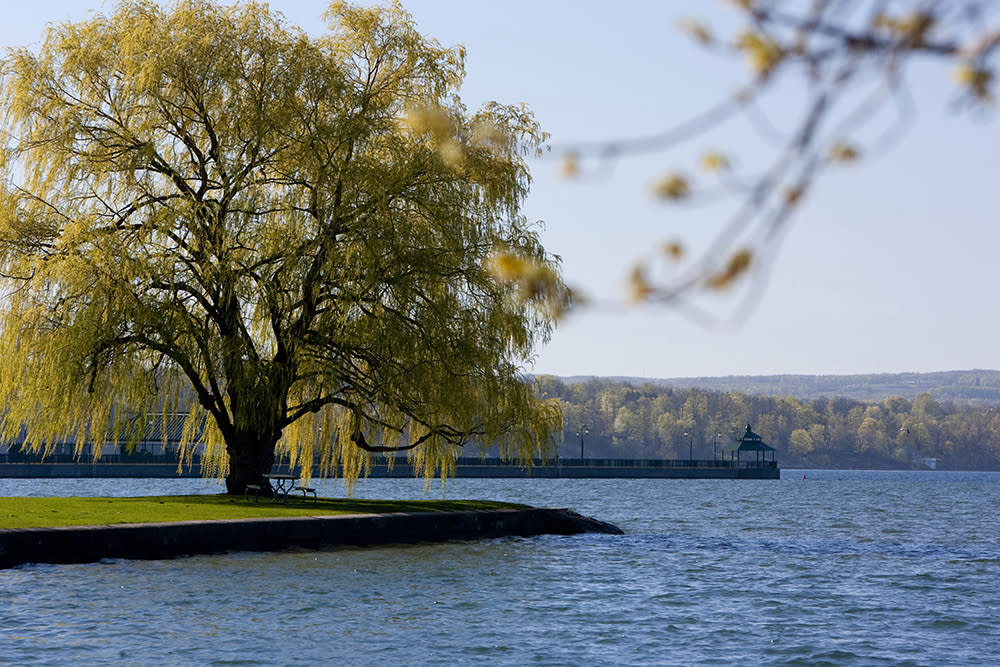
<point x="283" y="484"/>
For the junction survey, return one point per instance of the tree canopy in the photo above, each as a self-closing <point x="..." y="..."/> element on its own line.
<point x="309" y="244"/>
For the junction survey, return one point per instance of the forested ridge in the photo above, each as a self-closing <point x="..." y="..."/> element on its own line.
<point x="973" y="386"/>
<point x="651" y="419"/>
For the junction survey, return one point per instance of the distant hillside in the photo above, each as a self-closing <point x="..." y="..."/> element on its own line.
<point x="974" y="387"/>
<point x="949" y="421"/>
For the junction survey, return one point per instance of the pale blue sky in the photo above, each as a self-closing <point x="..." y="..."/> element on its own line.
<point x="890" y="266"/>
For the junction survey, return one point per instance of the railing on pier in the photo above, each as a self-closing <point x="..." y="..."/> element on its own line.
<point x="171" y="458"/>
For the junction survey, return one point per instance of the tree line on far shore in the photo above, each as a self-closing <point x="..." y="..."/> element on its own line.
<point x="624" y="420"/>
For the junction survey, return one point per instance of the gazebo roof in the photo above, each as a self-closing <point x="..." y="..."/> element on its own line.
<point x="751" y="442"/>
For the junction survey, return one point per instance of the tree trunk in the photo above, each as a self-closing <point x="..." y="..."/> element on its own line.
<point x="250" y="458"/>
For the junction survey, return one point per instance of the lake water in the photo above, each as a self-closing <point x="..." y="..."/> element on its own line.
<point x="839" y="568"/>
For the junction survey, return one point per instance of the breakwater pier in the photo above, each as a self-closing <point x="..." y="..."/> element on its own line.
<point x="470" y="467"/>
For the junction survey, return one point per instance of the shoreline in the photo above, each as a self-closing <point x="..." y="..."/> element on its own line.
<point x="152" y="541"/>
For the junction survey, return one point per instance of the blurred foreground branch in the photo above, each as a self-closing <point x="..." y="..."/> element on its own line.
<point x="851" y="59"/>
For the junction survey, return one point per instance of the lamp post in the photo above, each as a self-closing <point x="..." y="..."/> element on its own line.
<point x="690" y="446"/>
<point x="715" y="445"/>
<point x="582" y="432"/>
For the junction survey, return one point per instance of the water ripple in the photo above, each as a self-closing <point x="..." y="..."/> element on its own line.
<point x="853" y="571"/>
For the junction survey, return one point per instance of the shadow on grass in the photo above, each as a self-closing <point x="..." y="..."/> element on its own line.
<point x="31" y="512"/>
<point x="342" y="505"/>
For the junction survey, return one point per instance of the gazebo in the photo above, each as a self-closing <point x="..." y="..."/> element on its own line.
<point x="751" y="442"/>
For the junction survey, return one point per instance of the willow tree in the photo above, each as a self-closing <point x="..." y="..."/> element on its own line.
<point x="307" y="244"/>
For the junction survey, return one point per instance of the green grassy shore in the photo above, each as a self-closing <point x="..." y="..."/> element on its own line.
<point x="24" y="512"/>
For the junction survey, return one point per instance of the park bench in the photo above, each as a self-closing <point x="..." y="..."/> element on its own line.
<point x="306" y="490"/>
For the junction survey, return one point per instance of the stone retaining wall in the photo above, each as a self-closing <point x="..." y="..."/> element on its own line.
<point x="83" y="544"/>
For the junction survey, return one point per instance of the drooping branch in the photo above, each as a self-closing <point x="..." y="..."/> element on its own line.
<point x="451" y="435"/>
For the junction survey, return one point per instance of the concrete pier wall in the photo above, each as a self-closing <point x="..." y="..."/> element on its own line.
<point x="471" y="468"/>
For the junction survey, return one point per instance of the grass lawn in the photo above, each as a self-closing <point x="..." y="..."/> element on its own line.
<point x="45" y="512"/>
